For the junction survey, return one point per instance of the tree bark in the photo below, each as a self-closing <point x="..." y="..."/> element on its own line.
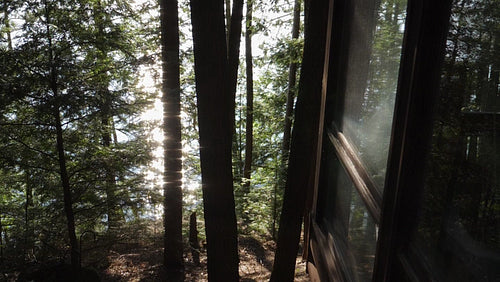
<point x="290" y="101"/>
<point x="193" y="239"/>
<point x="68" y="203"/>
<point x="28" y="215"/>
<point x="233" y="50"/>
<point x="233" y="43"/>
<point x="292" y="81"/>
<point x="172" y="137"/>
<point x="304" y="142"/>
<point x="216" y="121"/>
<point x="110" y="177"/>
<point x="247" y="168"/>
<point x="1" y="240"/>
<point x="228" y="19"/>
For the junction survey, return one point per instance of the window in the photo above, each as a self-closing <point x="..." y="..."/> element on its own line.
<point x="369" y="42"/>
<point x="458" y="231"/>
<point x="375" y="42"/>
<point x="409" y="180"/>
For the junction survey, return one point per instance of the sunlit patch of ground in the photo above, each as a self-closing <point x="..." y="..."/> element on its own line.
<point x="139" y="262"/>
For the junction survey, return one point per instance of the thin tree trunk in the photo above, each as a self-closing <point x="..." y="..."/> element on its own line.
<point x="28" y="216"/>
<point x="68" y="203"/>
<point x="275" y="198"/>
<point x="233" y="50"/>
<point x="172" y="138"/>
<point x="193" y="239"/>
<point x="1" y="240"/>
<point x="228" y="20"/>
<point x="247" y="168"/>
<point x="233" y="45"/>
<point x="106" y="123"/>
<point x="110" y="178"/>
<point x="290" y="101"/>
<point x="304" y="143"/>
<point x="292" y="81"/>
<point x="216" y="121"/>
<point x="6" y="22"/>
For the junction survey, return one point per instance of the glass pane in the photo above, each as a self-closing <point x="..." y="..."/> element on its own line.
<point x="344" y="216"/>
<point x="372" y="76"/>
<point x="459" y="228"/>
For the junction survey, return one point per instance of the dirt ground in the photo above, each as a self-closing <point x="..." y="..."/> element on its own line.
<point x="136" y="262"/>
<point x="133" y="259"/>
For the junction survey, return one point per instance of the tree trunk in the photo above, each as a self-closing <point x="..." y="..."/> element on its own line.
<point x="228" y="19"/>
<point x="68" y="203"/>
<point x="1" y="241"/>
<point x="247" y="168"/>
<point x="292" y="81"/>
<point x="233" y="43"/>
<point x="28" y="216"/>
<point x="216" y="120"/>
<point x="233" y="50"/>
<point x="6" y="22"/>
<point x="304" y="141"/>
<point x="193" y="239"/>
<point x="110" y="176"/>
<point x="172" y="138"/>
<point x="106" y="121"/>
<point x="290" y="101"/>
<point x="110" y="179"/>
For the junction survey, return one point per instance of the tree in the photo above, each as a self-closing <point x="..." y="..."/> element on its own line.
<point x="247" y="168"/>
<point x="69" y="87"/>
<point x="172" y="137"/>
<point x="53" y="66"/>
<point x="304" y="141"/>
<point x="292" y="78"/>
<point x="234" y="18"/>
<point x="216" y="120"/>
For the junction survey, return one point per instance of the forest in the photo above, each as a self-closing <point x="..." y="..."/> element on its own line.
<point x="139" y="143"/>
<point x="192" y="140"/>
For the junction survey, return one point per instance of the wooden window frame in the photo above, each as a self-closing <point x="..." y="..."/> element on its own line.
<point x="395" y="210"/>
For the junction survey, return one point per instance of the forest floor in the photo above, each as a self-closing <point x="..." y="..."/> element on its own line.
<point x="142" y="262"/>
<point x="138" y="257"/>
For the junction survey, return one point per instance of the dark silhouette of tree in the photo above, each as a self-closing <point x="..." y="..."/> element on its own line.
<point x="234" y="18"/>
<point x="101" y="20"/>
<point x="304" y="141"/>
<point x="289" y="106"/>
<point x="61" y="155"/>
<point x="247" y="167"/>
<point x="194" y="244"/>
<point x="172" y="138"/>
<point x="216" y="121"/>
<point x="291" y="91"/>
<point x="233" y="51"/>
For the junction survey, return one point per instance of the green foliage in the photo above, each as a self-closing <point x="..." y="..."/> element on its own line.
<point x="262" y="204"/>
<point x="98" y="47"/>
<point x="89" y="52"/>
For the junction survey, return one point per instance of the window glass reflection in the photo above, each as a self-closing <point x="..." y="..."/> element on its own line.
<point x="372" y="74"/>
<point x="344" y="216"/>
<point x="460" y="220"/>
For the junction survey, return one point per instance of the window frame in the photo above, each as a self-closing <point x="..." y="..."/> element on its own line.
<point x="395" y="210"/>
